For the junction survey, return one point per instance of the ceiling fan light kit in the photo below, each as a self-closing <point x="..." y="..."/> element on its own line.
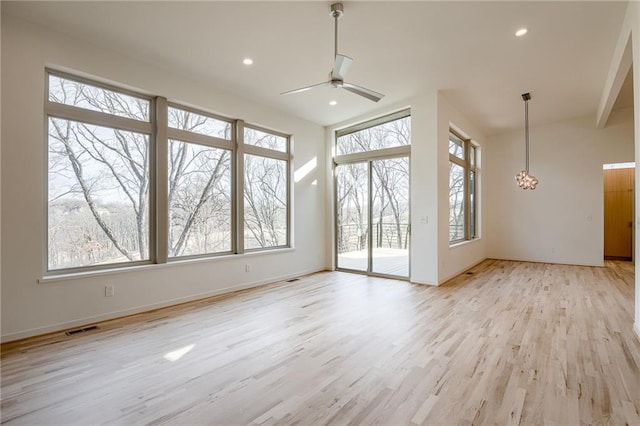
<point x="341" y="65"/>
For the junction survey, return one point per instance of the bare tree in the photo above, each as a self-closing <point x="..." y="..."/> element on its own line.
<point x="199" y="189"/>
<point x="390" y="184"/>
<point x="99" y="177"/>
<point x="265" y="201"/>
<point x="108" y="162"/>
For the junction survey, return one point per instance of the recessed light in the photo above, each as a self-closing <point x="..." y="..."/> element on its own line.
<point x="247" y="61"/>
<point x="332" y="103"/>
<point x="521" y="32"/>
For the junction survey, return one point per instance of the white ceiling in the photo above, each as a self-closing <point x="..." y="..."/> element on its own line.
<point x="402" y="49"/>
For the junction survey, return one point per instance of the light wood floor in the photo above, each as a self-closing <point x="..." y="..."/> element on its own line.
<point x="512" y="343"/>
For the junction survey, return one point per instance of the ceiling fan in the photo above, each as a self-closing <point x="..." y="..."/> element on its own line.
<point x="340" y="67"/>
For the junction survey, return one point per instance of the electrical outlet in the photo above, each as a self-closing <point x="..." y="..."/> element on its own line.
<point x="247" y="267"/>
<point x="109" y="291"/>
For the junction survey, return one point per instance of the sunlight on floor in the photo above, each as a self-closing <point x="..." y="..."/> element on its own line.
<point x="177" y="354"/>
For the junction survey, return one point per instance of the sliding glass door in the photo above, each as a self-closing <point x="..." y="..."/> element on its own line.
<point x="352" y="193"/>
<point x="372" y="196"/>
<point x="372" y="216"/>
<point x="390" y="216"/>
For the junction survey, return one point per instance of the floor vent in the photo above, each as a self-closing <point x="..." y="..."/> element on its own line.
<point x="293" y="280"/>
<point x="81" y="330"/>
<point x="469" y="273"/>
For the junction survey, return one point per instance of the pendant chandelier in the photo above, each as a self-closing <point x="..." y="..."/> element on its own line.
<point x="524" y="178"/>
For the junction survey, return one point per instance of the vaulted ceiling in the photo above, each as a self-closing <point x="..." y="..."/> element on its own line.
<point x="402" y="49"/>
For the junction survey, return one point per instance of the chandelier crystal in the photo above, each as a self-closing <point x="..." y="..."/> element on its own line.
<point x="525" y="179"/>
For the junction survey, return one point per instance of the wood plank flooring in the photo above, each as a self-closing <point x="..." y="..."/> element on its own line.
<point x="512" y="343"/>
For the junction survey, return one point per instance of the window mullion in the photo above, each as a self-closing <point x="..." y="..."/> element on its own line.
<point x="69" y="112"/>
<point x="191" y="137"/>
<point x="161" y="184"/>
<point x="358" y="157"/>
<point x="467" y="192"/>
<point x="238" y="217"/>
<point x="265" y="152"/>
<point x="370" y="216"/>
<point x="373" y="123"/>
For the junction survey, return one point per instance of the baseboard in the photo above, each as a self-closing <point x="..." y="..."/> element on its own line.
<point x="461" y="271"/>
<point x="550" y="262"/>
<point x="10" y="337"/>
<point x="422" y="283"/>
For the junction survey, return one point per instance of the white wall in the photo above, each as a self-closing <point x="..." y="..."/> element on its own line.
<point x="424" y="189"/>
<point x="562" y="220"/>
<point x="452" y="260"/>
<point x="29" y="307"/>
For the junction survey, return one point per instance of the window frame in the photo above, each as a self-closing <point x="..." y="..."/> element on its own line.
<point x="378" y="121"/>
<point x="82" y="115"/>
<point x="469" y="165"/>
<point x="159" y="134"/>
<point x="267" y="153"/>
<point x="200" y="139"/>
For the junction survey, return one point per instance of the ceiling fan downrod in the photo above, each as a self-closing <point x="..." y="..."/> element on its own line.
<point x="336" y="13"/>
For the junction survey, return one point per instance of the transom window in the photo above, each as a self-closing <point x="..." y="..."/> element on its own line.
<point x="387" y="132"/>
<point x="122" y="165"/>
<point x="93" y="97"/>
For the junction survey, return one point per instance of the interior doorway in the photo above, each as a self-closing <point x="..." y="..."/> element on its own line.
<point x="618" y="210"/>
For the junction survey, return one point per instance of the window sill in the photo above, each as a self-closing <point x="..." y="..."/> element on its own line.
<point x="457" y="244"/>
<point x="152" y="266"/>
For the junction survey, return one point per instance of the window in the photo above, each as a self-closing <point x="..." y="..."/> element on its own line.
<point x="266" y="173"/>
<point x="190" y="121"/>
<point x="98" y="176"/>
<point x="387" y="132"/>
<point x="262" y="139"/>
<point x="199" y="186"/>
<point x="133" y="179"/>
<point x="91" y="97"/>
<point x="462" y="189"/>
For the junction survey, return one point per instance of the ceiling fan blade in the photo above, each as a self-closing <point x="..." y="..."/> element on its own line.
<point x="304" y="89"/>
<point x="340" y="67"/>
<point x="367" y="93"/>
